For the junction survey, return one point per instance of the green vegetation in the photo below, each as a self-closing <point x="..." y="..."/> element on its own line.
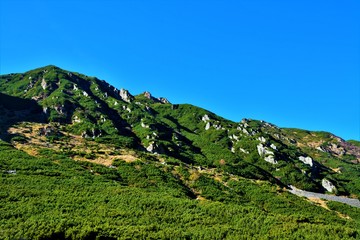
<point x="59" y="198"/>
<point x="80" y="162"/>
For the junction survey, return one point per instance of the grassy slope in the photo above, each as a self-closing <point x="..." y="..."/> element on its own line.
<point x="52" y="196"/>
<point x="55" y="197"/>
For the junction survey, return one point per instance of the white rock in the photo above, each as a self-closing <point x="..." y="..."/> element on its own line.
<point x="245" y="131"/>
<point x="244" y="151"/>
<point x="76" y="119"/>
<point x="320" y="149"/>
<point x="268" y="155"/>
<point x="144" y="125"/>
<point x="207" y="126"/>
<point x="270" y="159"/>
<point x="262" y="139"/>
<point x="163" y="100"/>
<point x="328" y="185"/>
<point x="43" y="84"/>
<point x="273" y="146"/>
<point x="147" y="95"/>
<point x="85" y="94"/>
<point x="205" y="118"/>
<point x="233" y="149"/>
<point x="235" y="137"/>
<point x="217" y="127"/>
<point x="153" y="148"/>
<point x="75" y="87"/>
<point x="306" y="160"/>
<point x="125" y="95"/>
<point x="261" y="149"/>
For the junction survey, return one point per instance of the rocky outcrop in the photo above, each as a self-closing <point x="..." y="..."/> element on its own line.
<point x="328" y="185"/>
<point x="148" y="95"/>
<point x="163" y="100"/>
<point x="154" y="148"/>
<point x="270" y="159"/>
<point x="125" y="95"/>
<point x="43" y="84"/>
<point x="205" y="118"/>
<point x="266" y="153"/>
<point x="336" y="149"/>
<point x="306" y="160"/>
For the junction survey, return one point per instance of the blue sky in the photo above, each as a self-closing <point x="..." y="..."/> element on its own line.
<point x="291" y="63"/>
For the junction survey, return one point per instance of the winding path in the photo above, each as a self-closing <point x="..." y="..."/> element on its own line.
<point x="349" y="201"/>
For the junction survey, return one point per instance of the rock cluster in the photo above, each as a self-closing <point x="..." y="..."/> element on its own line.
<point x="328" y="185"/>
<point x="306" y="160"/>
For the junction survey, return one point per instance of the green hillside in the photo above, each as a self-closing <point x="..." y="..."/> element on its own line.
<point x="81" y="159"/>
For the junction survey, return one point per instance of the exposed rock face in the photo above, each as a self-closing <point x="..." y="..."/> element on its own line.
<point x="273" y="146"/>
<point x="245" y="131"/>
<point x="328" y="185"/>
<point x="147" y="95"/>
<point x="163" y="100"/>
<point x="205" y="118"/>
<point x="320" y="149"/>
<point x="338" y="150"/>
<point x="262" y="139"/>
<point x="235" y="137"/>
<point x="306" y="160"/>
<point x="43" y="84"/>
<point x="125" y="95"/>
<point x="154" y="148"/>
<point x="207" y="127"/>
<point x="268" y="155"/>
<point x="270" y="159"/>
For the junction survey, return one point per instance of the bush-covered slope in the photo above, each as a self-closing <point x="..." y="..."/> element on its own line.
<point x="56" y="197"/>
<point x="98" y="161"/>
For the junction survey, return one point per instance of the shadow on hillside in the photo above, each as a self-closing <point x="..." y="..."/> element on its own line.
<point x="14" y="110"/>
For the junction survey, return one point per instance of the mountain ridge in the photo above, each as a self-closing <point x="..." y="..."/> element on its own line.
<point x="147" y="143"/>
<point x="92" y="105"/>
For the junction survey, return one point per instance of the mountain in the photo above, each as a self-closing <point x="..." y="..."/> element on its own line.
<point x="82" y="159"/>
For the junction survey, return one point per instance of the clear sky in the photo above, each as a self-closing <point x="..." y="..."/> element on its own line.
<point x="292" y="63"/>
